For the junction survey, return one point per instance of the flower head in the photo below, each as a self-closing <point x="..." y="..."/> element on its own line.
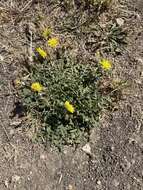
<point x="53" y="42"/>
<point x="69" y="107"/>
<point x="37" y="87"/>
<point x="106" y="64"/>
<point x="41" y="52"/>
<point x="46" y="32"/>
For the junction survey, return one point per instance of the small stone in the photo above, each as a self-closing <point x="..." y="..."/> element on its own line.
<point x="120" y="21"/>
<point x="139" y="59"/>
<point x="16" y="123"/>
<point x="43" y="156"/>
<point x="70" y="187"/>
<point x="138" y="81"/>
<point x="6" y="183"/>
<point x="99" y="182"/>
<point x="87" y="149"/>
<point x="15" y="178"/>
<point x="133" y="161"/>
<point x="11" y="132"/>
<point x="1" y="58"/>
<point x="115" y="183"/>
<point x="128" y="187"/>
<point x="112" y="148"/>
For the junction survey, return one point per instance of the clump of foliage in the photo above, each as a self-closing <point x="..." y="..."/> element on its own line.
<point x="60" y="80"/>
<point x="83" y="22"/>
<point x="110" y="39"/>
<point x="65" y="94"/>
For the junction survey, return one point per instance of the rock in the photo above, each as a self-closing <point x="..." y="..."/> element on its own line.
<point x="120" y="21"/>
<point x="1" y="58"/>
<point x="11" y="132"/>
<point x="99" y="182"/>
<point x="16" y="123"/>
<point x="15" y="178"/>
<point x="43" y="156"/>
<point x="87" y="149"/>
<point x="115" y="183"/>
<point x="70" y="187"/>
<point x="6" y="183"/>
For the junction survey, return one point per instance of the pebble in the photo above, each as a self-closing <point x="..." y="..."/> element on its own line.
<point x="6" y="183"/>
<point x="120" y="21"/>
<point x="1" y="58"/>
<point x="15" y="178"/>
<point x="99" y="182"/>
<point x="70" y="187"/>
<point x="43" y="156"/>
<point x="87" y="149"/>
<point x="115" y="183"/>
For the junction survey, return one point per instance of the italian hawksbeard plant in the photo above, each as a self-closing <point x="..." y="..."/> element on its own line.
<point x="64" y="95"/>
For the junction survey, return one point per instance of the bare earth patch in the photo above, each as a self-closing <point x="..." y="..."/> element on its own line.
<point x="116" y="160"/>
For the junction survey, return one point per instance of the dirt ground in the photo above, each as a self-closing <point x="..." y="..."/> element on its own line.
<point x="117" y="146"/>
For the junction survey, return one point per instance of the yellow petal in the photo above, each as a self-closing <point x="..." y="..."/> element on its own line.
<point x="53" y="42"/>
<point x="106" y="64"/>
<point x="41" y="52"/>
<point x="37" y="87"/>
<point x="69" y="107"/>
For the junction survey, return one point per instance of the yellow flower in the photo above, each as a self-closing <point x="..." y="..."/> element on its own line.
<point x="106" y="64"/>
<point x="41" y="52"/>
<point x="47" y="32"/>
<point x="37" y="87"/>
<point x="53" y="42"/>
<point x="69" y="107"/>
